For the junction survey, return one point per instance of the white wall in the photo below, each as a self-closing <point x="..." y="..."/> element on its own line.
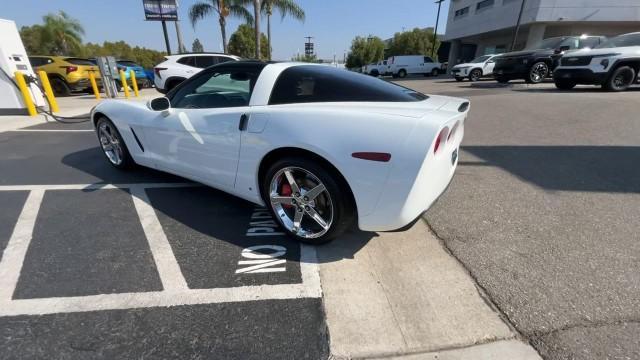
<point x="504" y="14"/>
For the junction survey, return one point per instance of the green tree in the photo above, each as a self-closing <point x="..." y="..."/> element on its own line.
<point x="365" y="51"/>
<point x="32" y="38"/>
<point x="197" y="47"/>
<point x="286" y="8"/>
<point x="414" y="42"/>
<point x="223" y="9"/>
<point x="63" y="32"/>
<point x="305" y="58"/>
<point x="243" y="42"/>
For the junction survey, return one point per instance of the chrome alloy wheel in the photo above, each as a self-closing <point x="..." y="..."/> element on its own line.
<point x="110" y="143"/>
<point x="539" y="72"/>
<point x="302" y="202"/>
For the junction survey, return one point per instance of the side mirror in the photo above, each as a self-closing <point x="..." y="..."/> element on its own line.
<point x="159" y="104"/>
<point x="562" y="49"/>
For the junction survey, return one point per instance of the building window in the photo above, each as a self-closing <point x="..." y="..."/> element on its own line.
<point x="461" y="12"/>
<point x="484" y="4"/>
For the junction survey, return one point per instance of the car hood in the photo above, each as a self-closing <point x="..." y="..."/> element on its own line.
<point x="524" y="53"/>
<point x="465" y="65"/>
<point x="605" y="51"/>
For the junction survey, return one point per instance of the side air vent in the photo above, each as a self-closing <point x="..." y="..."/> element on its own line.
<point x="464" y="106"/>
<point x="137" y="140"/>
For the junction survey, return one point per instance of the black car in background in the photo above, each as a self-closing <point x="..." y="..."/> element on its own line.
<point x="537" y="62"/>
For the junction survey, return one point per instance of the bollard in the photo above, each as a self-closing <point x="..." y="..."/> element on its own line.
<point x="134" y="82"/>
<point x="94" y="85"/>
<point x="123" y="79"/>
<point x="48" y="91"/>
<point x="26" y="94"/>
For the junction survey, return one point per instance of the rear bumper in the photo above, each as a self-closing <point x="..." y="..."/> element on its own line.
<point x="580" y="76"/>
<point x="403" y="201"/>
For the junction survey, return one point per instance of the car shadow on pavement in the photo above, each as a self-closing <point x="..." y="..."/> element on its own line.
<point x="579" y="89"/>
<point x="611" y="169"/>
<point x="184" y="207"/>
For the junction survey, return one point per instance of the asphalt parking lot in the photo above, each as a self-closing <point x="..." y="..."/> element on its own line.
<point x="544" y="212"/>
<point x="80" y="280"/>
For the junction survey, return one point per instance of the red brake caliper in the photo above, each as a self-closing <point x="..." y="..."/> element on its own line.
<point x="285" y="190"/>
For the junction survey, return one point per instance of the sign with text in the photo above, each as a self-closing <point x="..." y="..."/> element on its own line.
<point x="158" y="10"/>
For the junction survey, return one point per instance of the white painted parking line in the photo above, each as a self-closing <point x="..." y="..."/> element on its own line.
<point x="168" y="268"/>
<point x="176" y="291"/>
<point x="52" y="130"/>
<point x="154" y="299"/>
<point x="16" y="250"/>
<point x="96" y="186"/>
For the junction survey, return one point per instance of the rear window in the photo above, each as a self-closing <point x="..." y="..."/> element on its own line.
<point x="312" y="83"/>
<point x="79" y="61"/>
<point x="187" y="60"/>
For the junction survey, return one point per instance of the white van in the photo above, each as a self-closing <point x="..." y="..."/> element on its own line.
<point x="403" y="65"/>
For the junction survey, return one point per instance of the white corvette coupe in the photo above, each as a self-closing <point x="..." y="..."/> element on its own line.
<point x="321" y="147"/>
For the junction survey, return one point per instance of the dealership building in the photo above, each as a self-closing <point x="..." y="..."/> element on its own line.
<point x="477" y="27"/>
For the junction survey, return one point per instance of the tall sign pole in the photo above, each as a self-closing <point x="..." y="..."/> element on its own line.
<point x="164" y="28"/>
<point x="515" y="34"/>
<point x="435" y="31"/>
<point x="181" y="48"/>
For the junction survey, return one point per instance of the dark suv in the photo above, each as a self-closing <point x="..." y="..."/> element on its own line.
<point x="537" y="62"/>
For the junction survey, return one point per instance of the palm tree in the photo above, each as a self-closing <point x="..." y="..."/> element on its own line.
<point x="223" y="8"/>
<point x="63" y="31"/>
<point x="256" y="14"/>
<point x="285" y="7"/>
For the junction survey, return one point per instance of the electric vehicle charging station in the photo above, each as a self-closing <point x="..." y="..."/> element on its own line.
<point x="109" y="72"/>
<point x="13" y="57"/>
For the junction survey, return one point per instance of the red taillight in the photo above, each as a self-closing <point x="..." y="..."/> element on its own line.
<point x="157" y="71"/>
<point x="373" y="156"/>
<point x="70" y="69"/>
<point x="442" y="135"/>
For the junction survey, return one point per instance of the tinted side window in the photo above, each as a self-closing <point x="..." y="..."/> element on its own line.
<point x="204" y="61"/>
<point x="222" y="59"/>
<point x="35" y="61"/>
<point x="187" y="60"/>
<point x="590" y="42"/>
<point x="216" y="89"/>
<point x="313" y="83"/>
<point x="427" y="59"/>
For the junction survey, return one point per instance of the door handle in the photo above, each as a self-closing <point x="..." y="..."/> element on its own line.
<point x="244" y="120"/>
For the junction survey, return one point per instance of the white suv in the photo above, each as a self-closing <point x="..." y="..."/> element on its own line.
<point x="614" y="65"/>
<point x="177" y="68"/>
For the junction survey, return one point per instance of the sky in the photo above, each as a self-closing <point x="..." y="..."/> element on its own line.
<point x="332" y="23"/>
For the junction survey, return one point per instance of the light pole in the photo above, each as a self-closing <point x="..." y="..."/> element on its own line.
<point x="515" y="34"/>
<point x="435" y="31"/>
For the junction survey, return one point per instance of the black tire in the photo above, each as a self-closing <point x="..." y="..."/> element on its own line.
<point x="126" y="159"/>
<point x="502" y="79"/>
<point x="60" y="87"/>
<point x="621" y="78"/>
<point x="435" y="72"/>
<point x="537" y="73"/>
<point x="374" y="73"/>
<point x="459" y="79"/>
<point x="172" y="84"/>
<point x="402" y="73"/>
<point x="340" y="204"/>
<point x="475" y="75"/>
<point x="564" y="84"/>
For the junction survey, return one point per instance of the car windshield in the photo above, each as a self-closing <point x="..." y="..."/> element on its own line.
<point x="621" y="41"/>
<point x="551" y="43"/>
<point x="481" y="59"/>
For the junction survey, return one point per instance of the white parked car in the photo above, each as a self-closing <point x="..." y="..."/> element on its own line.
<point x="403" y="65"/>
<point x="475" y="69"/>
<point x="376" y="69"/>
<point x="614" y="65"/>
<point x="177" y="68"/>
<point x="319" y="146"/>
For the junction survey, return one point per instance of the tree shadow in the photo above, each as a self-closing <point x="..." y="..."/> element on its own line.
<point x="611" y="169"/>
